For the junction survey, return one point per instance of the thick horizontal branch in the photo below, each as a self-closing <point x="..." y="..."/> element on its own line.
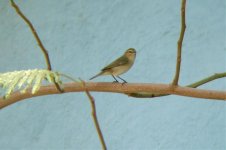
<point x="117" y="88"/>
<point x="193" y="85"/>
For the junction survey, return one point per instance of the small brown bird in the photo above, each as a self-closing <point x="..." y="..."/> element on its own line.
<point x="119" y="66"/>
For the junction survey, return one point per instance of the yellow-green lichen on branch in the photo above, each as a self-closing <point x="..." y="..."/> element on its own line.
<point x="23" y="79"/>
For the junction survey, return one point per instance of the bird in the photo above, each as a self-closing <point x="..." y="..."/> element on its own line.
<point x="119" y="66"/>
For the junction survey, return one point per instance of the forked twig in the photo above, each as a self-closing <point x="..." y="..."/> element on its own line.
<point x="94" y="115"/>
<point x="179" y="43"/>
<point x="46" y="55"/>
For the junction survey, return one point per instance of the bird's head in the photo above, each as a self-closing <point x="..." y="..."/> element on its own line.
<point x="130" y="53"/>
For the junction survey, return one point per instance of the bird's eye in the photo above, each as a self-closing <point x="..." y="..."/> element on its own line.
<point x="130" y="51"/>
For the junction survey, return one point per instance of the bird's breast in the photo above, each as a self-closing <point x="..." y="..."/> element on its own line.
<point x="120" y="69"/>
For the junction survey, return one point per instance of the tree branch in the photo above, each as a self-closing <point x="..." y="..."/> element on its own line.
<point x="193" y="85"/>
<point x="94" y="115"/>
<point x="117" y="88"/>
<point x="46" y="55"/>
<point x="179" y="43"/>
<point x="19" y="12"/>
<point x="208" y="79"/>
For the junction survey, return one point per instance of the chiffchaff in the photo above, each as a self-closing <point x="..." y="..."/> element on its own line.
<point x="119" y="66"/>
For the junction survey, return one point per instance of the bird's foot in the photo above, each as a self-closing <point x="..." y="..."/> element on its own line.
<point x="124" y="82"/>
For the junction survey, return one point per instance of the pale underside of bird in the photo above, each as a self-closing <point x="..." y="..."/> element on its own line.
<point x="119" y="66"/>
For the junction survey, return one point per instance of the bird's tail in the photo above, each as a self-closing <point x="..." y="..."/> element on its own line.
<point x="96" y="75"/>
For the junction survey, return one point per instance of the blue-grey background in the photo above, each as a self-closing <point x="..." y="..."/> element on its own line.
<point x="82" y="36"/>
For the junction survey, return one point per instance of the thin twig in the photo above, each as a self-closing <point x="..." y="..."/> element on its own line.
<point x="46" y="55"/>
<point x="93" y="106"/>
<point x="179" y="43"/>
<point x="34" y="33"/>
<point x="208" y="79"/>
<point x="94" y="115"/>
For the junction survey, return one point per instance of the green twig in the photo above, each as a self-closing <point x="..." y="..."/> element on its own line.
<point x="208" y="79"/>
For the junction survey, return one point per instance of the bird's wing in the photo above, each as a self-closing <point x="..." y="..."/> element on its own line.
<point x="118" y="62"/>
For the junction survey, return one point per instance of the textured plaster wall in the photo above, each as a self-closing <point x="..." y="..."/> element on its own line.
<point x="82" y="36"/>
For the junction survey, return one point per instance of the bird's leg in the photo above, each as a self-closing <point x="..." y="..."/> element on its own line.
<point x="124" y="81"/>
<point x="114" y="78"/>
